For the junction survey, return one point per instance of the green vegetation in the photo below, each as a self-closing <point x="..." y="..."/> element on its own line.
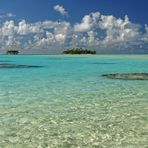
<point x="79" y="51"/>
<point x="12" y="52"/>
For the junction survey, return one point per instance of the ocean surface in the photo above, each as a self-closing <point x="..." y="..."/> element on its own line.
<point x="66" y="103"/>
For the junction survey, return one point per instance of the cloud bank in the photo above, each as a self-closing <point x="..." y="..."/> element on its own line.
<point x="103" y="33"/>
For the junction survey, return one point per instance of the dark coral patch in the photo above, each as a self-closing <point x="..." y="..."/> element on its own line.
<point x="128" y="76"/>
<point x="17" y="66"/>
<point x="101" y="63"/>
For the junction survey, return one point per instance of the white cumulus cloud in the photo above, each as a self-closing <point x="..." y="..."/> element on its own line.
<point x="61" y="10"/>
<point x="4" y="15"/>
<point x="88" y="22"/>
<point x="94" y="31"/>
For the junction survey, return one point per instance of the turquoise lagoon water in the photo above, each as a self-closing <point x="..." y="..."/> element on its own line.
<point x="66" y="103"/>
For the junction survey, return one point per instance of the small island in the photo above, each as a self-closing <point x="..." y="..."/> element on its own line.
<point x="13" y="52"/>
<point x="79" y="51"/>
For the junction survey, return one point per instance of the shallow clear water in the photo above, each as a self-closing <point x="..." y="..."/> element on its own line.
<point x="66" y="103"/>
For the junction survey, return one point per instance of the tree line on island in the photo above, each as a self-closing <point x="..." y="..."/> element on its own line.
<point x="12" y="52"/>
<point x="69" y="51"/>
<point x="79" y="51"/>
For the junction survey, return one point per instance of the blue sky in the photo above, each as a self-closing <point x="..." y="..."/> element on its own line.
<point x="35" y="10"/>
<point x="84" y="21"/>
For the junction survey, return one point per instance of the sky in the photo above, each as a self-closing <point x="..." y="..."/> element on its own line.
<point x="52" y="26"/>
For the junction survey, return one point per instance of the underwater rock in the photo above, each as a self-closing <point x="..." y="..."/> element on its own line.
<point x="128" y="76"/>
<point x="17" y="66"/>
